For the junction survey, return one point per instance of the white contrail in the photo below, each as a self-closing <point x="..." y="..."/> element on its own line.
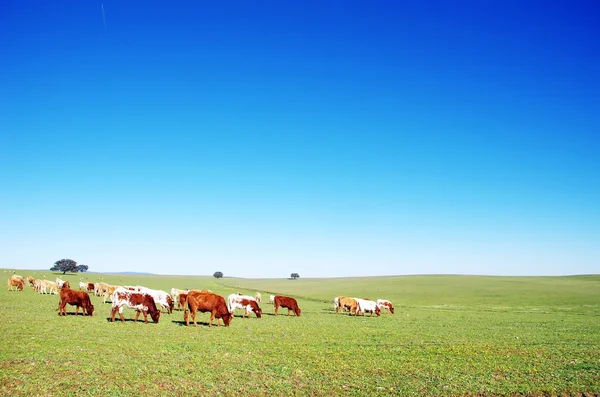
<point x="103" y="16"/>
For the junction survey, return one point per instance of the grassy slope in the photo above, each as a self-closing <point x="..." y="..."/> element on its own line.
<point x="451" y="335"/>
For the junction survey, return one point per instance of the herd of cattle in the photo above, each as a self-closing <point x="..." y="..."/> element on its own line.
<point x="152" y="302"/>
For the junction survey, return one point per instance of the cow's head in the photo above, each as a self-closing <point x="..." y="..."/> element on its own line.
<point x="377" y="310"/>
<point x="256" y="309"/>
<point x="155" y="316"/>
<point x="391" y="309"/>
<point x="20" y="287"/>
<point x="90" y="310"/>
<point x="227" y="318"/>
<point x="171" y="305"/>
<point x="297" y="311"/>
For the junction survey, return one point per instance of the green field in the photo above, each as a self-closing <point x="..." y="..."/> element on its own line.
<point x="450" y="336"/>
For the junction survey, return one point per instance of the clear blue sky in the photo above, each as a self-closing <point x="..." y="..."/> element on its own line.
<point x="327" y="138"/>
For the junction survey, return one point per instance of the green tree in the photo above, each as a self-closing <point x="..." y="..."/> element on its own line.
<point x="295" y="276"/>
<point x="65" y="265"/>
<point x="218" y="275"/>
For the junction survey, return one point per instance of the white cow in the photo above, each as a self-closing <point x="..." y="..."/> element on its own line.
<point x="59" y="282"/>
<point x="367" y="305"/>
<point x="272" y="298"/>
<point x="161" y="298"/>
<point x="83" y="286"/>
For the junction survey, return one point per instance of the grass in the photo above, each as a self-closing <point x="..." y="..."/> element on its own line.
<point x="450" y="336"/>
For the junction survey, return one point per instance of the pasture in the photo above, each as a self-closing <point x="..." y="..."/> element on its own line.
<point x="450" y="336"/>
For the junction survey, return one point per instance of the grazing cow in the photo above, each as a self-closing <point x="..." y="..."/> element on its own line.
<point x="206" y="302"/>
<point x="48" y="287"/>
<point x="348" y="303"/>
<point x="367" y="305"/>
<point x="272" y="298"/>
<point x="137" y="301"/>
<point x="30" y="281"/>
<point x="83" y="286"/>
<point x="257" y="297"/>
<point x="288" y="303"/>
<point x="16" y="281"/>
<point x="385" y="304"/>
<point x="37" y="286"/>
<point x="77" y="299"/>
<point x="161" y="298"/>
<point x="91" y="287"/>
<point x="246" y="302"/>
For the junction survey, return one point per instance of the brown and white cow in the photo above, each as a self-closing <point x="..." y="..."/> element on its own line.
<point x="288" y="303"/>
<point x="385" y="305"/>
<point x="197" y="301"/>
<point x="245" y="302"/>
<point x="16" y="281"/>
<point x="77" y="299"/>
<point x="140" y="302"/>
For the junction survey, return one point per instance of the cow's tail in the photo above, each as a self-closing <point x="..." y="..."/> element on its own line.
<point x="186" y="308"/>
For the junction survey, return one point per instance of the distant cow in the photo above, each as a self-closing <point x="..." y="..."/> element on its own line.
<point x="385" y="305"/>
<point x="100" y="289"/>
<point x="288" y="303"/>
<point x="137" y="301"/>
<point x="83" y="286"/>
<point x="59" y="282"/>
<point x="91" y="287"/>
<point x="16" y="281"/>
<point x="258" y="297"/>
<point x="77" y="299"/>
<point x="175" y="293"/>
<point x="206" y="302"/>
<point x="30" y="281"/>
<point x="48" y="287"/>
<point x="109" y="289"/>
<point x="348" y="303"/>
<point x="246" y="302"/>
<point x="367" y="305"/>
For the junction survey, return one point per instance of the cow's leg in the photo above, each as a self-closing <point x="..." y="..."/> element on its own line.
<point x="288" y="311"/>
<point x="137" y="315"/>
<point x="194" y="318"/>
<point x="212" y="316"/>
<point x="276" y="309"/>
<point x="112" y="313"/>
<point x="77" y="310"/>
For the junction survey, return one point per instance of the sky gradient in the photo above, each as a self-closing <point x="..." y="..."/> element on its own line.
<point x="327" y="138"/>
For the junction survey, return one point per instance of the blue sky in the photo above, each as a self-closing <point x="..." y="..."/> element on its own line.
<point x="327" y="138"/>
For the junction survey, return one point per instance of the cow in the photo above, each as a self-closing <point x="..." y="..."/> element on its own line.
<point x="258" y="297"/>
<point x="348" y="303"/>
<point x="367" y="305"/>
<point x="59" y="282"/>
<point x="48" y="287"/>
<point x="91" y="287"/>
<point x="137" y="301"/>
<point x="272" y="298"/>
<point x="77" y="299"/>
<point x="83" y="286"/>
<point x="109" y="290"/>
<point x="66" y="285"/>
<point x="182" y="297"/>
<point x="16" y="281"/>
<point x="37" y="286"/>
<point x="336" y="304"/>
<point x="288" y="303"/>
<point x="206" y="302"/>
<point x="100" y="288"/>
<point x="30" y="281"/>
<point x="161" y="298"/>
<point x="246" y="302"/>
<point x="385" y="304"/>
<point x="175" y="292"/>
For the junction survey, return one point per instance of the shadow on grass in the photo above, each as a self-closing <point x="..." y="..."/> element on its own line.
<point x="73" y="314"/>
<point x="200" y="323"/>
<point x="130" y="320"/>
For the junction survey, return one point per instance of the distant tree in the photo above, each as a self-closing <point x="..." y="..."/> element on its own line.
<point x="218" y="275"/>
<point x="65" y="265"/>
<point x="82" y="268"/>
<point x="295" y="276"/>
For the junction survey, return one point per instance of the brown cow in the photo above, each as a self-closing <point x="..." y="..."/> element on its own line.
<point x="138" y="301"/>
<point x="206" y="302"/>
<point x="66" y="285"/>
<point x="182" y="297"/>
<point x="91" y="287"/>
<point x="348" y="303"/>
<point x="288" y="303"/>
<point x="16" y="281"/>
<point x="77" y="299"/>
